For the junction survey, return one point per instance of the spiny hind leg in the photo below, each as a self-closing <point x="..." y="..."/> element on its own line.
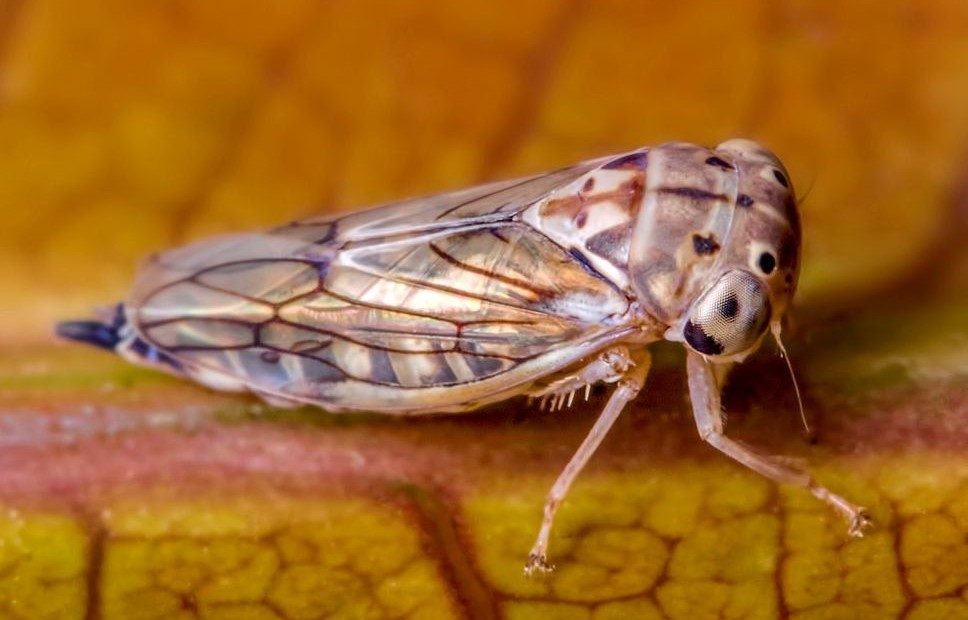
<point x="608" y="367"/>
<point x="704" y="393"/>
<point x="630" y="382"/>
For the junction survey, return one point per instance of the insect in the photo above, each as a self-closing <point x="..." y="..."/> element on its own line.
<point x="541" y="286"/>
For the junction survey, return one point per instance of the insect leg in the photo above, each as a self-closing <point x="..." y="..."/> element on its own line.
<point x="704" y="393"/>
<point x="721" y="372"/>
<point x="610" y="366"/>
<point x="629" y="386"/>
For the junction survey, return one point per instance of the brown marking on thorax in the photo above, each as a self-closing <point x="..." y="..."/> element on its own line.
<point x="705" y="244"/>
<point x="576" y="206"/>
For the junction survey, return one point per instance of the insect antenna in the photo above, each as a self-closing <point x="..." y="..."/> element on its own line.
<point x="802" y="198"/>
<point x="775" y="329"/>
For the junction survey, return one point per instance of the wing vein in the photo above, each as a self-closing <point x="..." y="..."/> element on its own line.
<point x="541" y="292"/>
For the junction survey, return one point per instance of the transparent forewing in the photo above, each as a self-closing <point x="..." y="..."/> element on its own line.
<point x="433" y="304"/>
<point x="476" y="205"/>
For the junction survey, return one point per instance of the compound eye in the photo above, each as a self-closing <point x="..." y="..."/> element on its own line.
<point x="730" y="316"/>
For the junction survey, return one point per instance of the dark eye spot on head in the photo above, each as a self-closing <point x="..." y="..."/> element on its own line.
<point x="767" y="263"/>
<point x="700" y="340"/>
<point x="729" y="307"/>
<point x="782" y="180"/>
<point x="705" y="245"/>
<point x="719" y="163"/>
<point x="589" y="185"/>
<point x="744" y="201"/>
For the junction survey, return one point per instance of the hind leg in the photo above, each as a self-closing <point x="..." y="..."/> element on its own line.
<point x="629" y="385"/>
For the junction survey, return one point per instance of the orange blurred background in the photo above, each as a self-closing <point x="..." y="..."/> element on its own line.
<point x="128" y="127"/>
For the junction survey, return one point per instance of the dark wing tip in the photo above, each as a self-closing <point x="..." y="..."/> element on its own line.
<point x="90" y="332"/>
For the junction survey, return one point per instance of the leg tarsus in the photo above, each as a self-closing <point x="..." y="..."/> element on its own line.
<point x="537" y="565"/>
<point x="860" y="523"/>
<point x="857" y="517"/>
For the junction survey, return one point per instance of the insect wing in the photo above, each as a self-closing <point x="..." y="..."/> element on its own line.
<point x="431" y="304"/>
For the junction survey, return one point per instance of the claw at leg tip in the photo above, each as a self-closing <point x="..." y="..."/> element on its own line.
<point x="859" y="523"/>
<point x="537" y="565"/>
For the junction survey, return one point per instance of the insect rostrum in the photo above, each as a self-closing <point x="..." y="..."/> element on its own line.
<point x="541" y="286"/>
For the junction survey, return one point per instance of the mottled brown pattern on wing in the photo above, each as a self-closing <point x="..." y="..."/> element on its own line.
<point x="606" y="198"/>
<point x="428" y="294"/>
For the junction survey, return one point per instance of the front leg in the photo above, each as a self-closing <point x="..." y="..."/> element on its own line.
<point x="630" y="382"/>
<point x="704" y="393"/>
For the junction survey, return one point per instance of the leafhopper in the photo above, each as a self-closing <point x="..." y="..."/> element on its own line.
<point x="541" y="287"/>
